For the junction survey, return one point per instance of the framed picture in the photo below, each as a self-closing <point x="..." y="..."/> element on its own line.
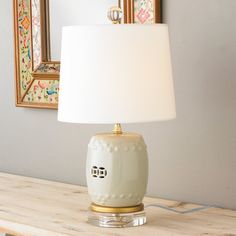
<point x="142" y="11"/>
<point x="37" y="77"/>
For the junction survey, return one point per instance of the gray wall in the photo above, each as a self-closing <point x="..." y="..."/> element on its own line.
<point x="192" y="158"/>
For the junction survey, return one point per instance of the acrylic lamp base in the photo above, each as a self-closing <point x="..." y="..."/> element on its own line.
<point x="121" y="220"/>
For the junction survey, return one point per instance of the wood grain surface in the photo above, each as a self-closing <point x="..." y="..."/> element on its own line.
<point x="35" y="207"/>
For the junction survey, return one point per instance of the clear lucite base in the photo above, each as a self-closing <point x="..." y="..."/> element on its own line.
<point x="120" y="220"/>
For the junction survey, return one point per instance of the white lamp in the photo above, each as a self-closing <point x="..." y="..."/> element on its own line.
<point x="116" y="74"/>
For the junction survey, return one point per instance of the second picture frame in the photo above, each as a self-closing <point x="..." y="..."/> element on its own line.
<point x="142" y="11"/>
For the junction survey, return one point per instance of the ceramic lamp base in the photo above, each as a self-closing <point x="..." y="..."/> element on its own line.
<point x="116" y="220"/>
<point x="117" y="171"/>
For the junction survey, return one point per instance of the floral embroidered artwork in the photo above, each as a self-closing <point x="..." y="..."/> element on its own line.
<point x="48" y="68"/>
<point x="144" y="11"/>
<point x="45" y="91"/>
<point x="36" y="32"/>
<point x="25" y="53"/>
<point x="37" y="82"/>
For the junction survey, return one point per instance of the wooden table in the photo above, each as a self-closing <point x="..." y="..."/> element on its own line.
<point x="31" y="207"/>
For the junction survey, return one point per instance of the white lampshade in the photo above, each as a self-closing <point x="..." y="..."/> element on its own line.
<point x="116" y="74"/>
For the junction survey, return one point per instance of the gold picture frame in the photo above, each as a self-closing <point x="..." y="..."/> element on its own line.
<point x="142" y="11"/>
<point x="36" y="77"/>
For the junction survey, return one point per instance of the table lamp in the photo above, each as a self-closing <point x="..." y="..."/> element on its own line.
<point x="113" y="74"/>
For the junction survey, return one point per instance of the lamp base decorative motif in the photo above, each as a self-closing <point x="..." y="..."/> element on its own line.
<point x="116" y="220"/>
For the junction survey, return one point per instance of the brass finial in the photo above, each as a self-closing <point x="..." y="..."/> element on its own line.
<point x="115" y="15"/>
<point x="117" y="129"/>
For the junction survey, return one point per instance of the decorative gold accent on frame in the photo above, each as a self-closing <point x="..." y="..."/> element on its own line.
<point x="45" y="30"/>
<point x="116" y="210"/>
<point x="16" y="46"/>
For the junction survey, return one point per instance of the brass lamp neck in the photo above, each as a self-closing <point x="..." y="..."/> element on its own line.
<point x="117" y="129"/>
